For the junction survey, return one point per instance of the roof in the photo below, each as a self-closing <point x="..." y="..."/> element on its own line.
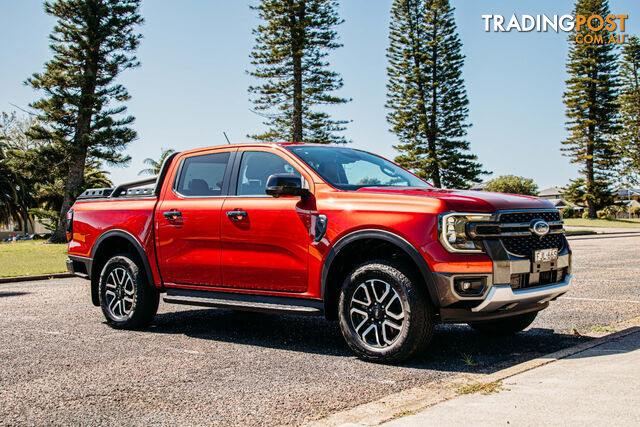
<point x="632" y="203"/>
<point x="551" y="191"/>
<point x="480" y="186"/>
<point x="245" y="144"/>
<point x="261" y="144"/>
<point x="625" y="192"/>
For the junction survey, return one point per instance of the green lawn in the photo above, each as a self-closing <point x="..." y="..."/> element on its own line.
<point x="31" y="257"/>
<point x="616" y="223"/>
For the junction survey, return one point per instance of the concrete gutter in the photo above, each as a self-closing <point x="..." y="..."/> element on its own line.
<point x="598" y="386"/>
<point x="38" y="277"/>
<point x="416" y="399"/>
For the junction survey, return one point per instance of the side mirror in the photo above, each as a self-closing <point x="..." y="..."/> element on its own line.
<point x="285" y="184"/>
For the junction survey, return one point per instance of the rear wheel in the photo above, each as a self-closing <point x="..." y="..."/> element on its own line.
<point x="505" y="326"/>
<point x="126" y="298"/>
<point x="384" y="312"/>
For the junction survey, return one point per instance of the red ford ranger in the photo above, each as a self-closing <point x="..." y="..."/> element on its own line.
<point x="319" y="230"/>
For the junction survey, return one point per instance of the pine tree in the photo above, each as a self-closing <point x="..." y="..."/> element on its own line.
<point x="289" y="57"/>
<point x="591" y="107"/>
<point x="82" y="111"/>
<point x="426" y="93"/>
<point x="629" y="103"/>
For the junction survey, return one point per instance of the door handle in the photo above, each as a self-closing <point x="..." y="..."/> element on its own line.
<point x="172" y="215"/>
<point x="237" y="215"/>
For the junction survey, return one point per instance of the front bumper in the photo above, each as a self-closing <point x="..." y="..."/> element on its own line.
<point x="503" y="297"/>
<point x="515" y="286"/>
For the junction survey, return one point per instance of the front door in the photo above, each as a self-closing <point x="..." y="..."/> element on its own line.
<point x="188" y="220"/>
<point x="265" y="240"/>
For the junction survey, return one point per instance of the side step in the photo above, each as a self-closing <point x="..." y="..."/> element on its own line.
<point x="245" y="302"/>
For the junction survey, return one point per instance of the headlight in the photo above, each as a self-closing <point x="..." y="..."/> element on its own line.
<point x="453" y="232"/>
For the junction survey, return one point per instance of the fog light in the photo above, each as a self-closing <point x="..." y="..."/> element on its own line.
<point x="469" y="286"/>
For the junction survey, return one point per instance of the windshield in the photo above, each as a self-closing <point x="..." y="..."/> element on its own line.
<point x="348" y="169"/>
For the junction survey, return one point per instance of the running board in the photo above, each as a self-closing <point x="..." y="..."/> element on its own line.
<point x="245" y="302"/>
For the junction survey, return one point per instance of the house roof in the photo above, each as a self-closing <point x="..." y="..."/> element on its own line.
<point x="625" y="192"/>
<point x="551" y="191"/>
<point x="633" y="203"/>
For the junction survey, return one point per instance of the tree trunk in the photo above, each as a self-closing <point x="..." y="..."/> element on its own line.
<point x="590" y="174"/>
<point x="75" y="179"/>
<point x="433" y="132"/>
<point x="75" y="173"/>
<point x="297" y="42"/>
<point x="591" y="207"/>
<point x="429" y="122"/>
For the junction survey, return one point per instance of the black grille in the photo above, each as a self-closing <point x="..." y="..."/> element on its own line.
<point x="526" y="216"/>
<point x="525" y="245"/>
<point x="527" y="280"/>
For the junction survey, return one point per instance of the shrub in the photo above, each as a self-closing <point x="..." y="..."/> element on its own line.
<point x="513" y="185"/>
<point x="568" y="212"/>
<point x="635" y="211"/>
<point x="585" y="215"/>
<point x="604" y="214"/>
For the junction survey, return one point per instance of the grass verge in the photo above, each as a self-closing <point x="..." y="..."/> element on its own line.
<point x="31" y="258"/>
<point x="614" y="223"/>
<point x="579" y="232"/>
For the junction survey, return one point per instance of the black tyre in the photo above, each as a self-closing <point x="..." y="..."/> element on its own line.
<point x="384" y="312"/>
<point x="505" y="326"/>
<point x="126" y="298"/>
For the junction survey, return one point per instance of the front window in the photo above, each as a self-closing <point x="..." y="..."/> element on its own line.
<point x="256" y="168"/>
<point x="348" y="169"/>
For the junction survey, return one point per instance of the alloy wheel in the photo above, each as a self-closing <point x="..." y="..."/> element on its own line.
<point x="119" y="294"/>
<point x="376" y="313"/>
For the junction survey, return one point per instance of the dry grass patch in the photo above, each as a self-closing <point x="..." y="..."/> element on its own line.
<point x="482" y="388"/>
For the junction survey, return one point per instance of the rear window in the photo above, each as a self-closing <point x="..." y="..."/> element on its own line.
<point x="203" y="176"/>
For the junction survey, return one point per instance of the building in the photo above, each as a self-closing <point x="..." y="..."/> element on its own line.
<point x="554" y="195"/>
<point x="36" y="225"/>
<point x="630" y="198"/>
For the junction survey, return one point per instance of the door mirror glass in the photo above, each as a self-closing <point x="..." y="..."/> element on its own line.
<point x="285" y="184"/>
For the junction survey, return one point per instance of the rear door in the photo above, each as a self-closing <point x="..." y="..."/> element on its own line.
<point x="188" y="219"/>
<point x="265" y="240"/>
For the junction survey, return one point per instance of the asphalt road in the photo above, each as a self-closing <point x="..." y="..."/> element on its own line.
<point x="61" y="364"/>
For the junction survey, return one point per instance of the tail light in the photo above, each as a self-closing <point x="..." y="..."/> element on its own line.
<point x="69" y="224"/>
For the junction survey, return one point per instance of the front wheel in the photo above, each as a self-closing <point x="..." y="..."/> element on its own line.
<point x="505" y="326"/>
<point x="384" y="312"/>
<point x="126" y="298"/>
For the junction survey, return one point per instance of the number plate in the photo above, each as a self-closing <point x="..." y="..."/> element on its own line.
<point x="545" y="255"/>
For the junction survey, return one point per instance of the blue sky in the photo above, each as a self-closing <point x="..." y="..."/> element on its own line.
<point x="192" y="84"/>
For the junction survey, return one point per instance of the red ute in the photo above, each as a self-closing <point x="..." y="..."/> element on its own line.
<point x="315" y="229"/>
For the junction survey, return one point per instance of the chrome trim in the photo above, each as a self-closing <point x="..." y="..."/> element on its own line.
<point x="525" y="225"/>
<point x="502" y="295"/>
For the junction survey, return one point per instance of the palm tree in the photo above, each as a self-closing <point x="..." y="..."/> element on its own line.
<point x="15" y="196"/>
<point x="156" y="165"/>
